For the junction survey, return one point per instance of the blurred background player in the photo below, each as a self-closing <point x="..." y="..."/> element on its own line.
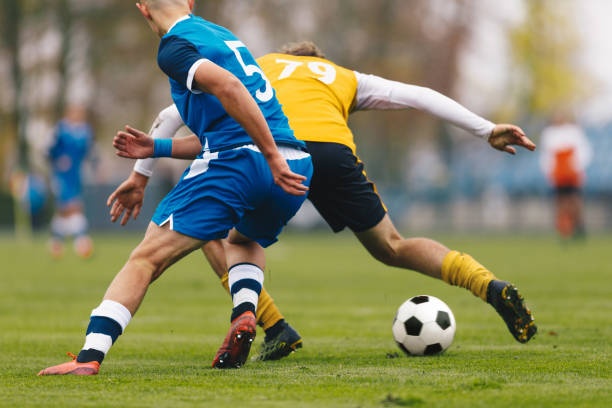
<point x="72" y="142"/>
<point x="564" y="156"/>
<point x="318" y="96"/>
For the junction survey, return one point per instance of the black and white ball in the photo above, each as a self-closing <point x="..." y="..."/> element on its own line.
<point x="424" y="325"/>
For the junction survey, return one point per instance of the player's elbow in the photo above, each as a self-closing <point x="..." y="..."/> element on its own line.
<point x="169" y="113"/>
<point x="229" y="89"/>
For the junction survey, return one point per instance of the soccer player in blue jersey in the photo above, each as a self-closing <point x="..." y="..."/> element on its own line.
<point x="72" y="142"/>
<point x="250" y="178"/>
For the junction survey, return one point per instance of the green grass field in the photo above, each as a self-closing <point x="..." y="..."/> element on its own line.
<point x="341" y="301"/>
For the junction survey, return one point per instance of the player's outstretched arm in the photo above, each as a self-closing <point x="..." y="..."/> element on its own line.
<point x="132" y="143"/>
<point x="503" y="136"/>
<point x="240" y="105"/>
<point x="128" y="198"/>
<point x="374" y="92"/>
<point x="165" y="126"/>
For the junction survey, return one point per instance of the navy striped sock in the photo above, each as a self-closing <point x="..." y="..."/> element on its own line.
<point x="106" y="324"/>
<point x="245" y="282"/>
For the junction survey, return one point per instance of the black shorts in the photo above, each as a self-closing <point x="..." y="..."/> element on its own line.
<point x="340" y="189"/>
<point x="567" y="190"/>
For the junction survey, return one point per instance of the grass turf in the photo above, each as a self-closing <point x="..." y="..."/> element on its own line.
<point x="341" y="301"/>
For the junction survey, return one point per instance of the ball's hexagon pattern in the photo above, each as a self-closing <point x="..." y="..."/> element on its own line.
<point x="417" y="300"/>
<point x="430" y="333"/>
<point x="423" y="325"/>
<point x="413" y="326"/>
<point x="443" y="320"/>
<point x="426" y="312"/>
<point x="433" y="349"/>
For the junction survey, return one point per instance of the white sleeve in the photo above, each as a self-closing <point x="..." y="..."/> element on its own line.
<point x="167" y="123"/>
<point x="374" y="92"/>
<point x="546" y="152"/>
<point x="585" y="151"/>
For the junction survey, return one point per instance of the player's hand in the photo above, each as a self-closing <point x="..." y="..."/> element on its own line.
<point x="128" y="198"/>
<point x="503" y="136"/>
<point x="133" y="144"/>
<point x="289" y="181"/>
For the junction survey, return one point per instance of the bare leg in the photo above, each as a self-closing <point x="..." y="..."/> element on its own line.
<point x="240" y="249"/>
<point x="215" y="254"/>
<point x="385" y="243"/>
<point x="576" y="205"/>
<point x="159" y="249"/>
<point x="434" y="259"/>
<point x="565" y="216"/>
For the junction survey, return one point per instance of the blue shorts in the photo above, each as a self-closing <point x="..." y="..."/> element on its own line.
<point x="233" y="188"/>
<point x="67" y="190"/>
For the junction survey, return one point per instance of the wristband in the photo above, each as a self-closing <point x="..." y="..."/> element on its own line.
<point x="162" y="147"/>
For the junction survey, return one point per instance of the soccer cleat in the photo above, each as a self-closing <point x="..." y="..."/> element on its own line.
<point x="237" y="344"/>
<point x="506" y="300"/>
<point x="283" y="344"/>
<point x="72" y="367"/>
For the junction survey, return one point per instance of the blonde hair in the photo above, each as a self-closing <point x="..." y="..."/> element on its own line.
<point x="302" y="49"/>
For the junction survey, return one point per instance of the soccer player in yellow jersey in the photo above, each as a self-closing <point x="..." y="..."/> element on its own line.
<point x="317" y="97"/>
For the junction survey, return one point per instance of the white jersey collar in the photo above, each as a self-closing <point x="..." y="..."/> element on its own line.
<point x="185" y="17"/>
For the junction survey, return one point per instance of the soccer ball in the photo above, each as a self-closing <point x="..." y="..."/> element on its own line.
<point x="423" y="325"/>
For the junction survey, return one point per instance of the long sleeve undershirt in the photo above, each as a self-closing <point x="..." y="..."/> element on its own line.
<point x="374" y="92"/>
<point x="166" y="125"/>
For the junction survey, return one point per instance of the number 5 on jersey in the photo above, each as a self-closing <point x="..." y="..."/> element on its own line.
<point x="251" y="69"/>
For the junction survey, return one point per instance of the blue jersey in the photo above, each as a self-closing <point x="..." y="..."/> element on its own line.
<point x="71" y="145"/>
<point x="193" y="40"/>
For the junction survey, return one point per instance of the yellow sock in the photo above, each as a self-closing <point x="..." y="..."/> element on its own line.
<point x="267" y="312"/>
<point x="462" y="270"/>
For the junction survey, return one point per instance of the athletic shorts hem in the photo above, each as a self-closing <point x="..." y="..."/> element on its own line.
<point x="567" y="190"/>
<point x="192" y="233"/>
<point x="375" y="221"/>
<point x="264" y="242"/>
<point x="340" y="189"/>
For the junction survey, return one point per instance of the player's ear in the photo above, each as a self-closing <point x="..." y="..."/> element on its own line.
<point x="143" y="10"/>
<point x="190" y="2"/>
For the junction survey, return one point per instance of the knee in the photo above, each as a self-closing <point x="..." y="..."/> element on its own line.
<point x="387" y="252"/>
<point x="236" y="238"/>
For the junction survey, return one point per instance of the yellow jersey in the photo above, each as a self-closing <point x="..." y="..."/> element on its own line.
<point x="316" y="94"/>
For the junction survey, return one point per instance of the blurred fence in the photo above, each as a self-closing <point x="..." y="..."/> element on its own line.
<point x="477" y="189"/>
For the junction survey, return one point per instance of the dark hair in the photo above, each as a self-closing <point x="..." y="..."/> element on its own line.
<point x="303" y="49"/>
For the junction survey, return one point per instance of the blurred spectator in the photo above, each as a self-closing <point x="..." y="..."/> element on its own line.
<point x="565" y="154"/>
<point x="72" y="142"/>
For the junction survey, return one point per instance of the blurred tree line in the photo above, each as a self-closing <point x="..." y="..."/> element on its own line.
<point x="102" y="54"/>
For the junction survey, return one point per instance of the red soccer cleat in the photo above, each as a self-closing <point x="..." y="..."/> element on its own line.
<point x="72" y="367"/>
<point x="237" y="344"/>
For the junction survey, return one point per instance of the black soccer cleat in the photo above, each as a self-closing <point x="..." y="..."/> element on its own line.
<point x="506" y="300"/>
<point x="284" y="343"/>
